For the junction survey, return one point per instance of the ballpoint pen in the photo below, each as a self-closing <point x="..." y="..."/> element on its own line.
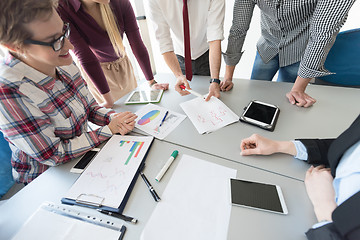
<point x="118" y="215"/>
<point x="151" y="189"/>
<point x="191" y="91"/>
<point x="163" y="120"/>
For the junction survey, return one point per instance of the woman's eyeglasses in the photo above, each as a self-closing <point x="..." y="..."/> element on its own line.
<point x="57" y="44"/>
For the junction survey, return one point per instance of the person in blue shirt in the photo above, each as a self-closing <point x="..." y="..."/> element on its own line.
<point x="332" y="182"/>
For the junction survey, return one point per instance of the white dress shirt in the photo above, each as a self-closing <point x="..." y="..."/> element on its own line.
<point x="206" y="18"/>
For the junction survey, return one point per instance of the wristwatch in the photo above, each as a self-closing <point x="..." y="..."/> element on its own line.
<point x="215" y="80"/>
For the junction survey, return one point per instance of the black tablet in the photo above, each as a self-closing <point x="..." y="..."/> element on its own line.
<point x="261" y="114"/>
<point x="266" y="197"/>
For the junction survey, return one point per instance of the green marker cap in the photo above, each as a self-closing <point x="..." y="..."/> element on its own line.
<point x="175" y="153"/>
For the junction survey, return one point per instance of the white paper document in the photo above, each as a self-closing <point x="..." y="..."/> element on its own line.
<point x="208" y="116"/>
<point x="108" y="177"/>
<point x="195" y="204"/>
<point x="49" y="222"/>
<point x="151" y="116"/>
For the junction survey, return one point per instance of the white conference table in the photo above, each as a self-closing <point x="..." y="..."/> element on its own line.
<point x="334" y="111"/>
<point x="244" y="223"/>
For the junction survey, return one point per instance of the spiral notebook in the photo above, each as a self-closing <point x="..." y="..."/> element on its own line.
<point x="51" y="221"/>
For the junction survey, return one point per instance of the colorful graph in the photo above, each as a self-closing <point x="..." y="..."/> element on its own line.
<point x="148" y="117"/>
<point x="136" y="147"/>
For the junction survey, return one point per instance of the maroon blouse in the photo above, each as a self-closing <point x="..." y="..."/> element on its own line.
<point x="92" y="44"/>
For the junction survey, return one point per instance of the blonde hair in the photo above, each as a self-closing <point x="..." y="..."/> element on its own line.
<point x="112" y="29"/>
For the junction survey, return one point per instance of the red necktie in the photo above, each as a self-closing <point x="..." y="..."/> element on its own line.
<point x="188" y="68"/>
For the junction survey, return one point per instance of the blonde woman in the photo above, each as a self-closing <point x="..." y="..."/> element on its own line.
<point x="97" y="30"/>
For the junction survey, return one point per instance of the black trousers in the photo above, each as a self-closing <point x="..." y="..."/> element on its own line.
<point x="200" y="66"/>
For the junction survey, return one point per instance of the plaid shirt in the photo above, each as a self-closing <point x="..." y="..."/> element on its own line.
<point x="46" y="119"/>
<point x="302" y="30"/>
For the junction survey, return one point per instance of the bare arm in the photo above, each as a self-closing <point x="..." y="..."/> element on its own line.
<point x="172" y="62"/>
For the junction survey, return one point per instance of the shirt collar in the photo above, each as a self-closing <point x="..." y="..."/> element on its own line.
<point x="23" y="70"/>
<point x="76" y="4"/>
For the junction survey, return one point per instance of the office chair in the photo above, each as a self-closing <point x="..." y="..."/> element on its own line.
<point x="6" y="177"/>
<point x="344" y="60"/>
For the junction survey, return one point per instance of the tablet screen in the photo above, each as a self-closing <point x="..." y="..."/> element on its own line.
<point x="260" y="112"/>
<point x="144" y="96"/>
<point x="256" y="195"/>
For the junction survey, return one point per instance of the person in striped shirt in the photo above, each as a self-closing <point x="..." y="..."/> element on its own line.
<point x="45" y="105"/>
<point x="296" y="37"/>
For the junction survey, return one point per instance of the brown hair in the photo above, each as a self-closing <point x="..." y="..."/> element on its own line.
<point x="14" y="14"/>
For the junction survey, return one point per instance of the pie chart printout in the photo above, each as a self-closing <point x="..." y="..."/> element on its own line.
<point x="148" y="117"/>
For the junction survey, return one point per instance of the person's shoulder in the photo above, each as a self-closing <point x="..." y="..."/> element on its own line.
<point x="71" y="70"/>
<point x="11" y="71"/>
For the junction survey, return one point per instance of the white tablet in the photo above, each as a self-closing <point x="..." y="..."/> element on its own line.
<point x="261" y="196"/>
<point x="144" y="96"/>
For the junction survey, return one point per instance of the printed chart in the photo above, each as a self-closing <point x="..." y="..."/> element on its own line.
<point x="150" y="117"/>
<point x="109" y="175"/>
<point x="208" y="116"/>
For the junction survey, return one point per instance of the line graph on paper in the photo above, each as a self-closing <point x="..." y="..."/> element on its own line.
<point x="111" y="172"/>
<point x="213" y="117"/>
<point x="208" y="116"/>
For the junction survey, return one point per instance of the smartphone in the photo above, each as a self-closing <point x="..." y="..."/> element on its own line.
<point x="84" y="161"/>
<point x="261" y="114"/>
<point x="255" y="195"/>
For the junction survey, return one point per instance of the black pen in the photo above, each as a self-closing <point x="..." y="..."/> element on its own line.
<point x="122" y="232"/>
<point x="151" y="189"/>
<point x="118" y="215"/>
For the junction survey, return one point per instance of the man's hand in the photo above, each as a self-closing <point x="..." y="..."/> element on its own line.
<point x="297" y="94"/>
<point x="181" y="80"/>
<point x="226" y="85"/>
<point x="214" y="90"/>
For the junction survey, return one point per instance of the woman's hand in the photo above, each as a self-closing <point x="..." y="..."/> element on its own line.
<point x="158" y="86"/>
<point x="122" y="123"/>
<point x="319" y="187"/>
<point x="260" y="145"/>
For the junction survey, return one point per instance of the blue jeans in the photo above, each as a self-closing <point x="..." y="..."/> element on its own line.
<point x="266" y="71"/>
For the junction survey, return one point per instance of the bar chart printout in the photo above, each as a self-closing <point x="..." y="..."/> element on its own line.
<point x="135" y="148"/>
<point x="111" y="172"/>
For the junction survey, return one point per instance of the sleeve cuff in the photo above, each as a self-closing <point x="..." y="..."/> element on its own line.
<point x="106" y="132"/>
<point x="231" y="59"/>
<point x="301" y="151"/>
<point x="306" y="72"/>
<point x="320" y="224"/>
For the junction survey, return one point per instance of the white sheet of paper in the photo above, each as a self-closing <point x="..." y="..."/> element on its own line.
<point x="44" y="225"/>
<point x="195" y="204"/>
<point x="108" y="177"/>
<point x="208" y="116"/>
<point x="150" y="117"/>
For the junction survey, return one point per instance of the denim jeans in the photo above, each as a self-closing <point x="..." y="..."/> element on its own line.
<point x="266" y="71"/>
